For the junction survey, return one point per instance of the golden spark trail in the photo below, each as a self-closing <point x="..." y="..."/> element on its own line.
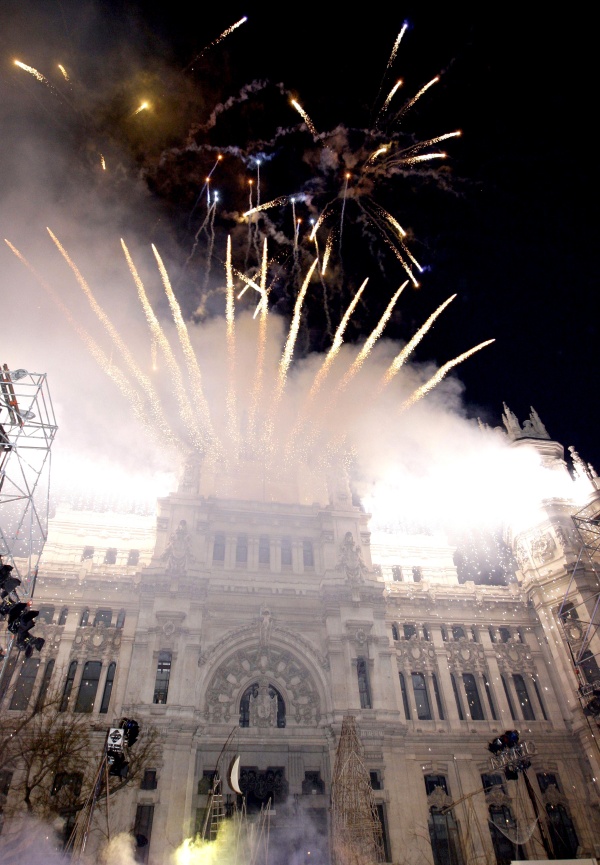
<point x="383" y="149"/>
<point x="115" y="373"/>
<point x="159" y="338"/>
<point x="412" y="344"/>
<point x="305" y="117"/>
<point x="64" y="72"/>
<point x="143" y="107"/>
<point x="372" y="339"/>
<point x="283" y="199"/>
<point x="188" y="353"/>
<point x="423" y="157"/>
<point x="439" y="375"/>
<point x="417" y="96"/>
<point x="261" y="348"/>
<point x="230" y="336"/>
<point x="102" y="162"/>
<point x="336" y="345"/>
<point x="431" y="141"/>
<point x="327" y="253"/>
<point x="319" y="221"/>
<point x="391" y="95"/>
<point x="33" y="72"/>
<point x="397" y="43"/>
<point x="216" y="41"/>
<point x="286" y="357"/>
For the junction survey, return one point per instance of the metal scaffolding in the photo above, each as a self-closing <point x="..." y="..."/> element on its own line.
<point x="357" y="836"/>
<point x="27" y="430"/>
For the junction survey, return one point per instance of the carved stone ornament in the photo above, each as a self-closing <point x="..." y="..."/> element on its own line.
<point x="267" y="631"/>
<point x="514" y="657"/>
<point x="273" y="665"/>
<point x="351" y="561"/>
<point x="465" y="657"/>
<point x="263" y="706"/>
<point x="438" y="799"/>
<point x="178" y="553"/>
<point x="543" y="546"/>
<point x="497" y="796"/>
<point x="553" y="796"/>
<point x="96" y="643"/>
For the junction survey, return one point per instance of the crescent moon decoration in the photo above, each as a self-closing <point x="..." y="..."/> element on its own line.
<point x="234" y="775"/>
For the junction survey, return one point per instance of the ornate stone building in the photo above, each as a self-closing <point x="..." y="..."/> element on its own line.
<point x="264" y="623"/>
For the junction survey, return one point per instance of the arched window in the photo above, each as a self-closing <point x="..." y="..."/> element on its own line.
<point x="458" y="632"/>
<point x="120" y="618"/>
<point x="395" y="634"/>
<point x="443" y="829"/>
<point x="405" y="702"/>
<point x="25" y="682"/>
<point x="523" y="697"/>
<point x="438" y="696"/>
<point x="488" y="691"/>
<point x="286" y="552"/>
<point x="264" y="550"/>
<point x="108" y="686"/>
<point x="241" y="550"/>
<point x="253" y="691"/>
<point x="513" y="714"/>
<point x="85" y="617"/>
<point x="45" y="684"/>
<point x="163" y="674"/>
<point x="461" y="714"/>
<point x="64" y="703"/>
<point x="62" y="619"/>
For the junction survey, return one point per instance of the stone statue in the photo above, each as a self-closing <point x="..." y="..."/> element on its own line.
<point x="266" y="626"/>
<point x="178" y="552"/>
<point x="351" y="560"/>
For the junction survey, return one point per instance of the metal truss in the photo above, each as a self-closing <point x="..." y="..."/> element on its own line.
<point x="27" y="430"/>
<point x="579" y="631"/>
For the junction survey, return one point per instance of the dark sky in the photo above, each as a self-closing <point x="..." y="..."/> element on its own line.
<point x="510" y="228"/>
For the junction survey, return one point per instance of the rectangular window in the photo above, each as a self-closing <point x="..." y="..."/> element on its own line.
<point x="286" y="552"/>
<point x="421" y="697"/>
<point x="384" y="831"/>
<point x="417" y="574"/>
<point x="88" y="686"/>
<point x="547" y="779"/>
<point x="375" y="778"/>
<point x="313" y="784"/>
<point x="433" y="781"/>
<point x="149" y="781"/>
<point x="409" y="631"/>
<point x="523" y="697"/>
<point x="458" y="632"/>
<point x="163" y="674"/>
<point x="241" y="550"/>
<point x="397" y="573"/>
<point x="110" y="556"/>
<point x="103" y="617"/>
<point x="46" y="614"/>
<point x="488" y="781"/>
<point x="88" y="553"/>
<point x="308" y="556"/>
<point x="24" y="684"/>
<point x="364" y="689"/>
<point x="142" y="832"/>
<point x="264" y="550"/>
<point x="219" y="548"/>
<point x="539" y="696"/>
<point x="133" y="557"/>
<point x="473" y="700"/>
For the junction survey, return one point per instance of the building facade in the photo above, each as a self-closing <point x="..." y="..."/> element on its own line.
<point x="257" y="626"/>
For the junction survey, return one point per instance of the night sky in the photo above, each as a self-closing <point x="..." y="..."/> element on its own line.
<point x="508" y="222"/>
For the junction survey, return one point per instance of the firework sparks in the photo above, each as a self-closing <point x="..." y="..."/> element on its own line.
<point x="216" y="41"/>
<point x="416" y="97"/>
<point x="440" y="374"/>
<point x="104" y="362"/>
<point x="397" y="44"/>
<point x="230" y="322"/>
<point x="261" y="349"/>
<point x="188" y="353"/>
<point x="64" y="72"/>
<point x="391" y="95"/>
<point x="143" y="107"/>
<point x="305" y="117"/>
<point x="159" y="339"/>
<point x="38" y="75"/>
<point x="410" y="346"/>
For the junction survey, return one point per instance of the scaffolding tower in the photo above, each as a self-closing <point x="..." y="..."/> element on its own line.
<point x="580" y="621"/>
<point x="27" y="430"/>
<point x="357" y="836"/>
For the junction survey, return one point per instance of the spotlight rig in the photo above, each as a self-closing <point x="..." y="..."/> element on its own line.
<point x="21" y="618"/>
